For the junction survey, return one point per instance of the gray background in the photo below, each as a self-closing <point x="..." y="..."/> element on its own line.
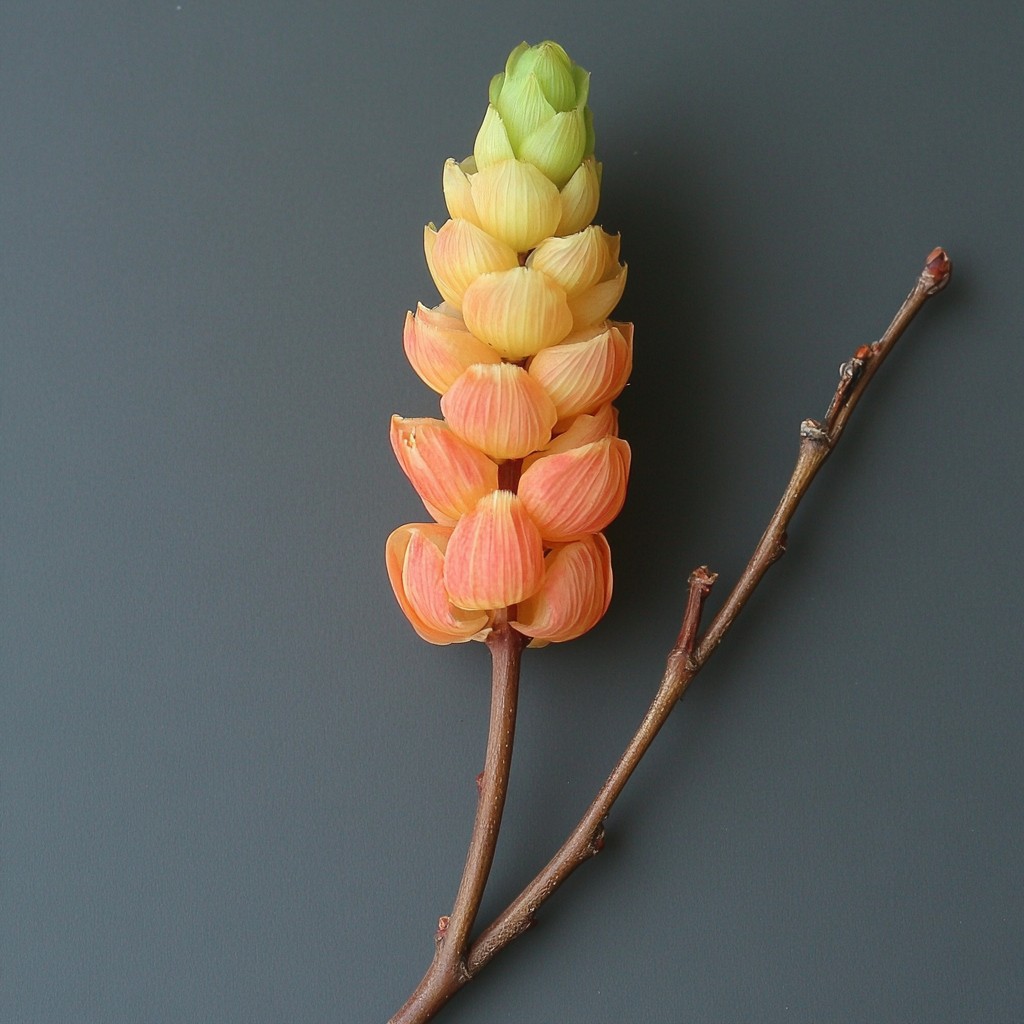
<point x="236" y="787"/>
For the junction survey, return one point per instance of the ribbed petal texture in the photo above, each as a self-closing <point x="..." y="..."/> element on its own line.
<point x="517" y="312"/>
<point x="582" y="375"/>
<point x="576" y="262"/>
<point x="440" y="347"/>
<point x="448" y="474"/>
<point x="575" y="594"/>
<point x="495" y="556"/>
<point x="501" y="410"/>
<point x="573" y="493"/>
<point x="415" y="561"/>
<point x="459" y="253"/>
<point x="516" y="203"/>
<point x="526" y="468"/>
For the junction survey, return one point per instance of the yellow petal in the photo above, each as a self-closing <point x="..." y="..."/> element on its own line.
<point x="581" y="375"/>
<point x="495" y="557"/>
<point x="576" y="261"/>
<point x="575" y="594"/>
<point x="500" y="409"/>
<point x="448" y="474"/>
<point x="415" y="561"/>
<point x="517" y="312"/>
<point x="458" y="192"/>
<point x="594" y="305"/>
<point x="614" y="243"/>
<point x="440" y="348"/>
<point x="492" y="142"/>
<point x="577" y="492"/>
<point x="459" y="253"/>
<point x="580" y="197"/>
<point x="516" y="203"/>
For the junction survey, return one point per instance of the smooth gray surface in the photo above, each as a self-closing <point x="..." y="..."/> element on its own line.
<point x="237" y="788"/>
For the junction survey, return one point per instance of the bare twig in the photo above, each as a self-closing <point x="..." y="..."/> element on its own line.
<point x="685" y="660"/>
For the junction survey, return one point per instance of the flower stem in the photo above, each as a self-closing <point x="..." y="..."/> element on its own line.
<point x="448" y="971"/>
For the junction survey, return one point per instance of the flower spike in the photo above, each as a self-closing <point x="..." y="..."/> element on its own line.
<point x="526" y="468"/>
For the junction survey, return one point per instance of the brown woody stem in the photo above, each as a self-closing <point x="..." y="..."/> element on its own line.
<point x="685" y="660"/>
<point x="448" y="971"/>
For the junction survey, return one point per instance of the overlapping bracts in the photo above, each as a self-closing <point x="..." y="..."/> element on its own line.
<point x="526" y="468"/>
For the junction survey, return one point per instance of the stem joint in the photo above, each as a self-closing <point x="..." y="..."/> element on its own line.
<point x="812" y="432"/>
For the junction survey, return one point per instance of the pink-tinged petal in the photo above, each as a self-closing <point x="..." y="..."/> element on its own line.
<point x="594" y="305"/>
<point x="459" y="253"/>
<point x="573" y="493"/>
<point x="440" y="348"/>
<point x="500" y="409"/>
<point x="495" y="557"/>
<point x="517" y="311"/>
<point x="448" y="474"/>
<point x="444" y="316"/>
<point x="574" y="596"/>
<point x="458" y="192"/>
<point x="576" y="262"/>
<point x="414" y="555"/>
<point x="582" y="375"/>
<point x="580" y="197"/>
<point x="516" y="203"/>
<point x="586" y="428"/>
<point x="581" y="430"/>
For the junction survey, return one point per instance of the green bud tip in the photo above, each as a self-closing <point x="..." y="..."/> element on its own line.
<point x="538" y="110"/>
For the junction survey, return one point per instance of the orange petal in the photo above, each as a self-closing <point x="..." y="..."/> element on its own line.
<point x="575" y="594"/>
<point x="580" y="197"/>
<point x="500" y="409"/>
<point x="582" y="430"/>
<point x="594" y="305"/>
<point x="459" y="253"/>
<point x="517" y="312"/>
<point x="573" y="493"/>
<point x="495" y="557"/>
<point x="582" y="375"/>
<point x="415" y="561"/>
<point x="576" y="261"/>
<point x="440" y="348"/>
<point x="448" y="474"/>
<point x="516" y="203"/>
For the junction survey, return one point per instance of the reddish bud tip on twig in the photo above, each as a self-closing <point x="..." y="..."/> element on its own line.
<point x="699" y="582"/>
<point x="480" y="784"/>
<point x="442" y="927"/>
<point x="937" y="269"/>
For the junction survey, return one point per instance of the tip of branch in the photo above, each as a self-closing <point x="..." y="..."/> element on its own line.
<point x="702" y="576"/>
<point x="937" y="269"/>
